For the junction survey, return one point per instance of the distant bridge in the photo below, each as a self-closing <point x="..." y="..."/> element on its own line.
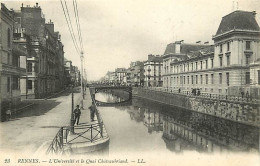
<point x="104" y="88"/>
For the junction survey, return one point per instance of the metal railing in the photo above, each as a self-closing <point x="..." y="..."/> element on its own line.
<point x="56" y="147"/>
<point x="82" y="134"/>
<point x="206" y="95"/>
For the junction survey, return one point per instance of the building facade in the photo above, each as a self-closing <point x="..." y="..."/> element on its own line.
<point x="230" y="66"/>
<point x="45" y="63"/>
<point x="153" y="71"/>
<point x="137" y="73"/>
<point x="12" y="63"/>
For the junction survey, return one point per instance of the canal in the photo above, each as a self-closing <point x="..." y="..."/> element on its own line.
<point x="146" y="127"/>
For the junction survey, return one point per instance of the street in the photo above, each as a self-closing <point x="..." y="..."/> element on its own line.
<point x="27" y="131"/>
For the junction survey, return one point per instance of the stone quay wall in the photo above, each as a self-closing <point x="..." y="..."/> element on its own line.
<point x="243" y="112"/>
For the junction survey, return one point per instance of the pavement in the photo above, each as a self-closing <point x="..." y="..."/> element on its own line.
<point x="36" y="127"/>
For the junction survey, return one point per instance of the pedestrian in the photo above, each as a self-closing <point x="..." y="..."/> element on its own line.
<point x="8" y="113"/>
<point x="242" y="94"/>
<point x="198" y="92"/>
<point x="77" y="114"/>
<point x="92" y="111"/>
<point x="179" y="90"/>
<point x="247" y="96"/>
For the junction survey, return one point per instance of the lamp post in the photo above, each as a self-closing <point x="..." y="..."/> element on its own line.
<point x="72" y="108"/>
<point x="82" y="95"/>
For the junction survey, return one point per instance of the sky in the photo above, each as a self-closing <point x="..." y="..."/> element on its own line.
<point x="117" y="32"/>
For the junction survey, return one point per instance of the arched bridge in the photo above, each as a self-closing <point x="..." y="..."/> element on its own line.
<point x="109" y="89"/>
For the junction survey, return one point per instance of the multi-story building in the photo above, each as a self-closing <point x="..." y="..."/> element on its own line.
<point x="120" y="74"/>
<point x="12" y="63"/>
<point x="173" y="53"/>
<point x="152" y="71"/>
<point x="236" y="47"/>
<point x="224" y="67"/>
<point x="137" y="73"/>
<point x="45" y="61"/>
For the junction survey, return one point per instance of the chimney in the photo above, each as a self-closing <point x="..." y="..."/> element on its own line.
<point x="178" y="47"/>
<point x="22" y="4"/>
<point x="206" y="42"/>
<point x="198" y="42"/>
<point x="254" y="13"/>
<point x="36" y="4"/>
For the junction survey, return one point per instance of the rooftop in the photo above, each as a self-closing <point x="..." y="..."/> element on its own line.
<point x="185" y="48"/>
<point x="242" y="20"/>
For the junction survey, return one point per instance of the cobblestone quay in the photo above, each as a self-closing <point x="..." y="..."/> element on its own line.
<point x="238" y="111"/>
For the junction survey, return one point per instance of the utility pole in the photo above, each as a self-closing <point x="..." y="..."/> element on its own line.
<point x="81" y="74"/>
<point x="72" y="108"/>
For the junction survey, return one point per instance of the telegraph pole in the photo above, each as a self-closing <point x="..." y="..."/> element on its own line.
<point x="82" y="93"/>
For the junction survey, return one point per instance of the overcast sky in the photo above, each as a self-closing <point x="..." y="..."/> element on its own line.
<point x="116" y="32"/>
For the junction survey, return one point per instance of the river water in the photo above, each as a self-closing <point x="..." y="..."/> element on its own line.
<point x="144" y="126"/>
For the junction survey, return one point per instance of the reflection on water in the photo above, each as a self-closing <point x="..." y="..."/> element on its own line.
<point x="108" y="98"/>
<point x="175" y="129"/>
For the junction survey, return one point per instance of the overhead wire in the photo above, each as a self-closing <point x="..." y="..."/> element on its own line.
<point x="75" y="5"/>
<point x="71" y="24"/>
<point x="74" y="42"/>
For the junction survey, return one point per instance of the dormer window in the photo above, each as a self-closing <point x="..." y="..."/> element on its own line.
<point x="248" y="45"/>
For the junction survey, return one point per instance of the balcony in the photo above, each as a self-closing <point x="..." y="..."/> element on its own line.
<point x="20" y="50"/>
<point x="8" y="69"/>
<point x="32" y="58"/>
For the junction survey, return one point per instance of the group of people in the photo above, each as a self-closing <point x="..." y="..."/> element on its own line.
<point x="77" y="113"/>
<point x="195" y="92"/>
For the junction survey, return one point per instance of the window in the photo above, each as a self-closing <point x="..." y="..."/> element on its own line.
<point x="8" y="37"/>
<point x="177" y="80"/>
<point x="188" y="79"/>
<point x="29" y="84"/>
<point x="183" y="79"/>
<point x="228" y="60"/>
<point x="220" y="48"/>
<point x="188" y="67"/>
<point x="258" y="77"/>
<point x="220" y="78"/>
<point x="212" y="78"/>
<point x="248" y="45"/>
<point x="227" y="75"/>
<point x="247" y="59"/>
<point x="8" y="84"/>
<point x="191" y="66"/>
<point x="183" y="67"/>
<point x="196" y="79"/>
<point x="201" y="65"/>
<point x="8" y="58"/>
<point x="191" y="79"/>
<point x="207" y="79"/>
<point x="16" y="83"/>
<point x="196" y="65"/>
<point x="228" y="46"/>
<point x="247" y="77"/>
<point x="206" y="64"/>
<point x="16" y="60"/>
<point x="201" y="79"/>
<point x="29" y="67"/>
<point x="212" y="63"/>
<point x="220" y="61"/>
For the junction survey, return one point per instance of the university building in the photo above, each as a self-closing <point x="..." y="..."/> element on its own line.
<point x="230" y="66"/>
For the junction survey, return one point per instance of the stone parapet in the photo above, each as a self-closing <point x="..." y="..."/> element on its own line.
<point x="242" y="112"/>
